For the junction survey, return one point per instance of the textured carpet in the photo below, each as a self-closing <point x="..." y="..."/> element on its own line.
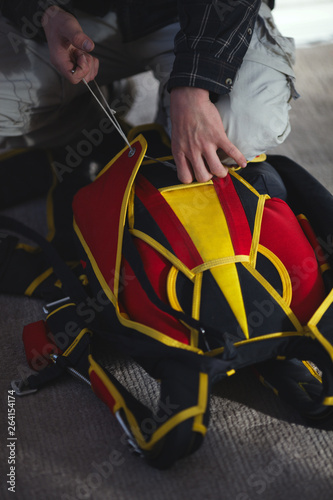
<point x="69" y="446"/>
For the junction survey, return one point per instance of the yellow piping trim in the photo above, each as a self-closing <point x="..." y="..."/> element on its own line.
<point x="174" y="302"/>
<point x="123" y="318"/>
<point x="324" y="267"/>
<point x="247" y="184"/>
<point x="283" y="273"/>
<point x="275" y="295"/>
<point x="123" y="212"/>
<point x="171" y="289"/>
<point x="217" y="352"/>
<point x="321" y="309"/>
<point x="130" y="213"/>
<point x="27" y="248"/>
<point x="197" y="296"/>
<point x="13" y="152"/>
<point x="268" y="385"/>
<point x="328" y="346"/>
<point x="259" y="158"/>
<point x="139" y="129"/>
<point x="312" y="324"/>
<point x="76" y="341"/>
<point x="94" y="265"/>
<point x="163" y="251"/>
<point x="164" y="428"/>
<point x="257" y="229"/>
<point x="184" y="204"/>
<point x="220" y="262"/>
<point x="59" y="309"/>
<point x="328" y="401"/>
<point x="179" y="187"/>
<point x="37" y="281"/>
<point x="231" y="372"/>
<point x="312" y="370"/>
<point x="198" y="425"/>
<point x="111" y="162"/>
<point x="155" y="334"/>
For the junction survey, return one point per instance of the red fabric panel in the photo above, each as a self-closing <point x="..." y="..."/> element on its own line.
<point x="101" y="391"/>
<point x="136" y="303"/>
<point x="238" y="225"/>
<point x="169" y="223"/>
<point x="311" y="236"/>
<point x="97" y="209"/>
<point x="282" y="234"/>
<point x="38" y="346"/>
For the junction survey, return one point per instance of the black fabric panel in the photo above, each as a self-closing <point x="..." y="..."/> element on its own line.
<point x="184" y="291"/>
<point x="24" y="176"/>
<point x="265" y="179"/>
<point x="159" y="144"/>
<point x="263" y="313"/>
<point x="248" y="199"/>
<point x="265" y="267"/>
<point x="215" y="311"/>
<point x="325" y="325"/>
<point x="160" y="175"/>
<point x="144" y="222"/>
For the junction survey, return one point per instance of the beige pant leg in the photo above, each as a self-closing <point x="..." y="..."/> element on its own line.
<point x="38" y="107"/>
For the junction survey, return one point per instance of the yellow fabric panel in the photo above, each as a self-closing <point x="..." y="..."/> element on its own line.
<point x="194" y="207"/>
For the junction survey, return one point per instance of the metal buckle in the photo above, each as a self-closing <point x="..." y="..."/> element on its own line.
<point x="130" y="439"/>
<point x="21" y="388"/>
<point x="46" y="308"/>
<point x="72" y="371"/>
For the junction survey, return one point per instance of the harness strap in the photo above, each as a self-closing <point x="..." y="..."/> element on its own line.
<point x="71" y="284"/>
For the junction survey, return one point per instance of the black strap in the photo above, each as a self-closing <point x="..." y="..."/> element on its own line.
<point x="132" y="255"/>
<point x="71" y="284"/>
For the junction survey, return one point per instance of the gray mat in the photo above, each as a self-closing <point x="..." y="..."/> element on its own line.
<point x="69" y="446"/>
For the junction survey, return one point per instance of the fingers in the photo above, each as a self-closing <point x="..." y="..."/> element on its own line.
<point x="84" y="67"/>
<point x="184" y="169"/>
<point x="230" y="149"/>
<point x="81" y="41"/>
<point x="197" y="168"/>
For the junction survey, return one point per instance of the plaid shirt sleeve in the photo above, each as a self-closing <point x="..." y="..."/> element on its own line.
<point x="212" y="41"/>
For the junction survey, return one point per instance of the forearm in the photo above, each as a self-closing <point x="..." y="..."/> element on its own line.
<point x="212" y="42"/>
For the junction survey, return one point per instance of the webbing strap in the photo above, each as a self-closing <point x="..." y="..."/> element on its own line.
<point x="133" y="257"/>
<point x="71" y="284"/>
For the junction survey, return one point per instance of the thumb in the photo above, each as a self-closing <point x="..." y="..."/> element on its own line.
<point x="81" y="41"/>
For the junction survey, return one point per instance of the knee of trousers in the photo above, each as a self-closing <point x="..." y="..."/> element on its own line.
<point x="255" y="124"/>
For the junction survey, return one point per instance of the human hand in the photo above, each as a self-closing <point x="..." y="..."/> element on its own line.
<point x="69" y="46"/>
<point x="197" y="133"/>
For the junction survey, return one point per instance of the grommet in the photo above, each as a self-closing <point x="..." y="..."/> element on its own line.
<point x="228" y="81"/>
<point x="249" y="31"/>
